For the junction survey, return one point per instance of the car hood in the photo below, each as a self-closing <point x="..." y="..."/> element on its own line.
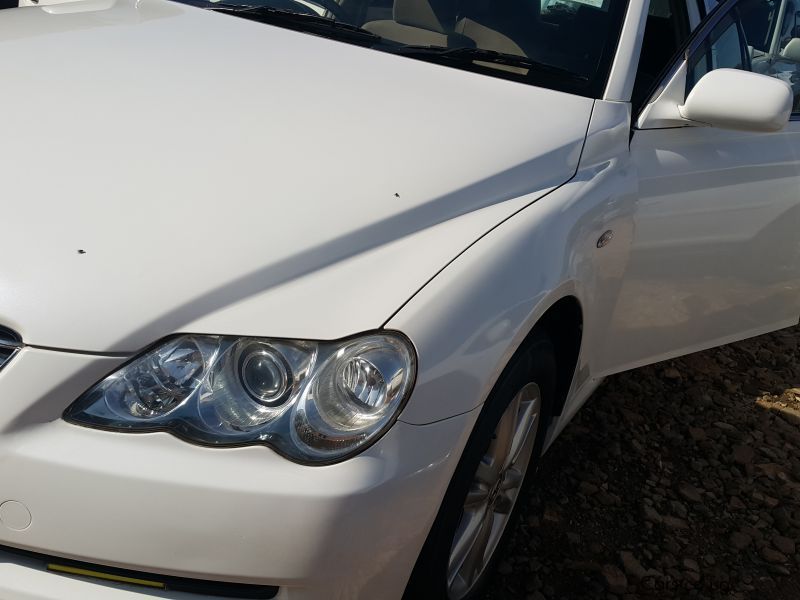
<point x="167" y="169"/>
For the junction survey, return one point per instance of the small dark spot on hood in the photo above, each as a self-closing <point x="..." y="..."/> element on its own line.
<point x="81" y="251"/>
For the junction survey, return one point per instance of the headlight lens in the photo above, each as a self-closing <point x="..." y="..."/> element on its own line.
<point x="314" y="402"/>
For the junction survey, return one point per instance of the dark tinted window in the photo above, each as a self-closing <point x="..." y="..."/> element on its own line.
<point x="666" y="31"/>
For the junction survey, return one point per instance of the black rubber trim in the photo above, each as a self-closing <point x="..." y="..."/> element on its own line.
<point x="175" y="584"/>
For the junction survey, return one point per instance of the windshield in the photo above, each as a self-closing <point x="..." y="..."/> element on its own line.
<point x="562" y="44"/>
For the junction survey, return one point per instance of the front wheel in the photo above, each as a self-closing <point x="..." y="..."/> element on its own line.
<point x="480" y="505"/>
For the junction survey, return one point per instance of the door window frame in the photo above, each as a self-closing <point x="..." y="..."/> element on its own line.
<point x="705" y="44"/>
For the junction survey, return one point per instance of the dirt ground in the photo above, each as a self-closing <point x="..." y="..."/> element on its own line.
<point x="679" y="480"/>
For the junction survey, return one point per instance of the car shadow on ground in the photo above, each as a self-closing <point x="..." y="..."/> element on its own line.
<point x="677" y="480"/>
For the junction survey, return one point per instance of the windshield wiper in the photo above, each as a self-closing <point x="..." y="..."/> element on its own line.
<point x="299" y="22"/>
<point x="469" y="55"/>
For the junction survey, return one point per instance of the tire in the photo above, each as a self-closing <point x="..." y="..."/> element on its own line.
<point x="433" y="575"/>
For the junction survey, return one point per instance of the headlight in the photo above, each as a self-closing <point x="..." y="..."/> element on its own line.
<point x="314" y="402"/>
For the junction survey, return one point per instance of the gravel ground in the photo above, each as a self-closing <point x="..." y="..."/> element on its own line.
<point x="679" y="480"/>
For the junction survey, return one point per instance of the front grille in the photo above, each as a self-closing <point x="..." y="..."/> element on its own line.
<point x="10" y="343"/>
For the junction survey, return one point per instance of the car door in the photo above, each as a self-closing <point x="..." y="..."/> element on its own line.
<point x="715" y="250"/>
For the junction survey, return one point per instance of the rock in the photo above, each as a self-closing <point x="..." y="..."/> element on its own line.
<point x="743" y="455"/>
<point x="551" y="515"/>
<point x="772" y="470"/>
<point x="705" y="401"/>
<point x="587" y="488"/>
<point x="584" y="565"/>
<point x="675" y="523"/>
<point x="736" y="504"/>
<point x="690" y="493"/>
<point x="749" y="388"/>
<point x="692" y="576"/>
<point x="752" y="532"/>
<point x="697" y="434"/>
<point x="740" y="540"/>
<point x="691" y="564"/>
<point x="616" y="581"/>
<point x="679" y="509"/>
<point x="608" y="499"/>
<point x="784" y="544"/>
<point x="632" y="566"/>
<point x="772" y="556"/>
<point x="632" y="417"/>
<point x="674" y="574"/>
<point x="671" y="373"/>
<point x="668" y="561"/>
<point x="726" y="427"/>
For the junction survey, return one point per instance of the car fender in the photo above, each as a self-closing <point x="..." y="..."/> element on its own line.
<point x="471" y="318"/>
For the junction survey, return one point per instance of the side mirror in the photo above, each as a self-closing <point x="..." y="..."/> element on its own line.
<point x="734" y="99"/>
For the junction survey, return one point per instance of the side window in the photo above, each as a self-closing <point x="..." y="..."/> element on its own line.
<point x="762" y="36"/>
<point x="666" y="30"/>
<point x="725" y="47"/>
<point x="790" y="30"/>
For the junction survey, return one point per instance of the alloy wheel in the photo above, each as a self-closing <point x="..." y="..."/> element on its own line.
<point x="494" y="491"/>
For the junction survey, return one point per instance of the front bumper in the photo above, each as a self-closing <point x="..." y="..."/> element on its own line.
<point x="24" y="578"/>
<point x="153" y="503"/>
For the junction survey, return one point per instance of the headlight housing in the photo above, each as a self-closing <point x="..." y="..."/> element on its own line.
<point x="313" y="402"/>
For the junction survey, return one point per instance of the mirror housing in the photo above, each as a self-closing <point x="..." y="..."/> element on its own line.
<point x="741" y="100"/>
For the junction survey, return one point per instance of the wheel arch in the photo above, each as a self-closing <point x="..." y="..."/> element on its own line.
<point x="563" y="324"/>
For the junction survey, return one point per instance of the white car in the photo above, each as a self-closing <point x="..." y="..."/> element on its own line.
<point x="294" y="293"/>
